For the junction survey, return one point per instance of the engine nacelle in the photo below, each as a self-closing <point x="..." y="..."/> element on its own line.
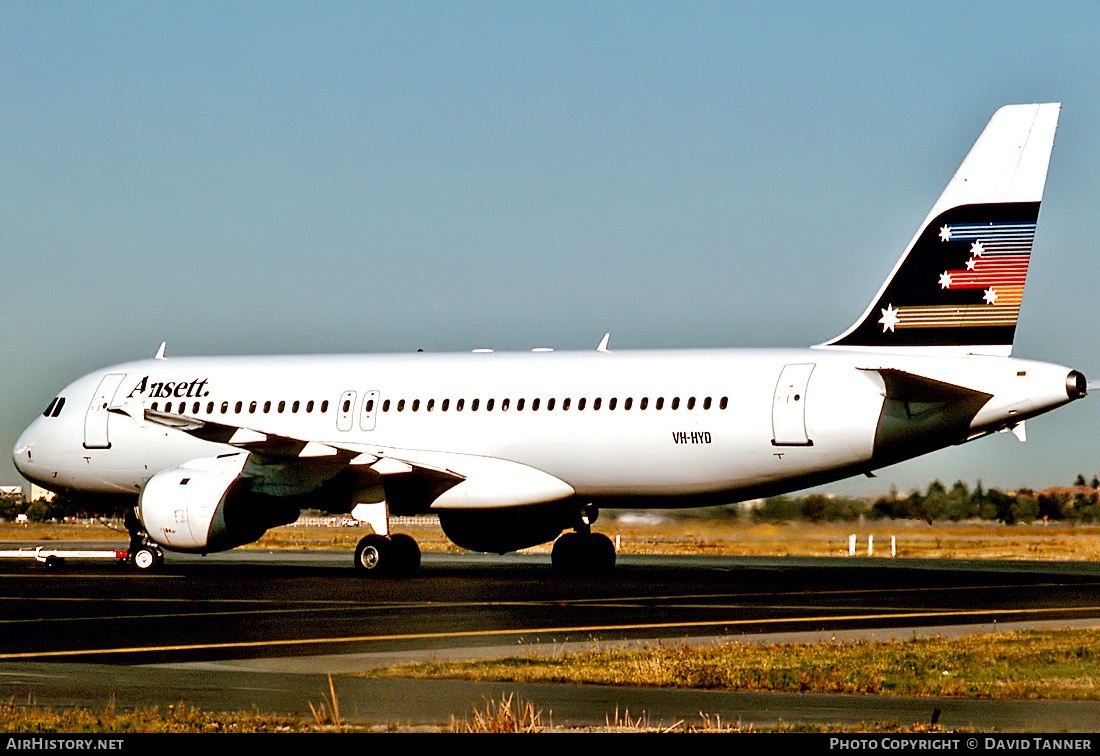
<point x="208" y="505"/>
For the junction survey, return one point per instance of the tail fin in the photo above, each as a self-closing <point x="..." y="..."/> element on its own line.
<point x="959" y="284"/>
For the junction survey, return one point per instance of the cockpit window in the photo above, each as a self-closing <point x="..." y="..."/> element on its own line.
<point x="55" y="407"/>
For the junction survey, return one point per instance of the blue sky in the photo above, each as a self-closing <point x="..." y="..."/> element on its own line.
<point x="326" y="177"/>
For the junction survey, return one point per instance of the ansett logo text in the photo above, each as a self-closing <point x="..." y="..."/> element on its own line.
<point x="166" y="389"/>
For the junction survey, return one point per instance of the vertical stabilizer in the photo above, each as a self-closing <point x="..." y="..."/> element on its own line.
<point x="959" y="285"/>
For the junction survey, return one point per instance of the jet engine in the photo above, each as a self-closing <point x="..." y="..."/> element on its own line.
<point x="209" y="505"/>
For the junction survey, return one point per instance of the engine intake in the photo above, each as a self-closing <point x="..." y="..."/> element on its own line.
<point x="209" y="508"/>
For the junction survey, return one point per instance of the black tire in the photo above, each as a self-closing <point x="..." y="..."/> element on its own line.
<point x="374" y="555"/>
<point x="601" y="553"/>
<point x="54" y="562"/>
<point x="146" y="559"/>
<point x="406" y="554"/>
<point x="583" y="554"/>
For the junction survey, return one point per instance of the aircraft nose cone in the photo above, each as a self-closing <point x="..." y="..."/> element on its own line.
<point x="22" y="454"/>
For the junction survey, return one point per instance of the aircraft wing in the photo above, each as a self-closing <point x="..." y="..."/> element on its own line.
<point x="268" y="445"/>
<point x="413" y="479"/>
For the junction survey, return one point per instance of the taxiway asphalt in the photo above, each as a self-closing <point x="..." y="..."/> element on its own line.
<point x="251" y="630"/>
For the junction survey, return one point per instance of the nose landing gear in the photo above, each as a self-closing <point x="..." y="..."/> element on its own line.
<point x="143" y="554"/>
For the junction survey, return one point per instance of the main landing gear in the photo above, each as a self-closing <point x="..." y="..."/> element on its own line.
<point x="584" y="552"/>
<point x="396" y="555"/>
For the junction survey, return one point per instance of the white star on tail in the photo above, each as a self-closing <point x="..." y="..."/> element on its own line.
<point x="889" y="318"/>
<point x="945" y="280"/>
<point x="977" y="249"/>
<point x="990" y="296"/>
<point x="945" y="233"/>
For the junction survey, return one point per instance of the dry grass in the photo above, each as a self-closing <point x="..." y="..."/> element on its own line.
<point x="913" y="539"/>
<point x="1061" y="664"/>
<point x="699" y="536"/>
<point x="28" y="718"/>
<point x="506" y="715"/>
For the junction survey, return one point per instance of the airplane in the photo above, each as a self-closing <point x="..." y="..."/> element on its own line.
<point x="516" y="449"/>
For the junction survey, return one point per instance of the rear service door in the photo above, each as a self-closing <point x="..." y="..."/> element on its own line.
<point x="789" y="406"/>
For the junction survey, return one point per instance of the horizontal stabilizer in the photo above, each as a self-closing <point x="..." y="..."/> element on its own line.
<point x="903" y="386"/>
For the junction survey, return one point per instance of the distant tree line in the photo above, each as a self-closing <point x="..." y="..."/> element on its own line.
<point x="1079" y="503"/>
<point x="58" y="508"/>
<point x="810" y="508"/>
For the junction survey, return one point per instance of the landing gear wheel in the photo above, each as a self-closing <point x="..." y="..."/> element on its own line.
<point x="406" y="552"/>
<point x="583" y="554"/>
<point x="53" y="562"/>
<point x="379" y="555"/>
<point x="146" y="558"/>
<point x="372" y="554"/>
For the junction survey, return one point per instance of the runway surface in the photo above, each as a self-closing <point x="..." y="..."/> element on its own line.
<point x="249" y="629"/>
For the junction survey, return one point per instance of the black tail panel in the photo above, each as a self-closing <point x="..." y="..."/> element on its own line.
<point x="961" y="283"/>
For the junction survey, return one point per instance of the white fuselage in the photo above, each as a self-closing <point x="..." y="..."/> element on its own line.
<point x="659" y="428"/>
